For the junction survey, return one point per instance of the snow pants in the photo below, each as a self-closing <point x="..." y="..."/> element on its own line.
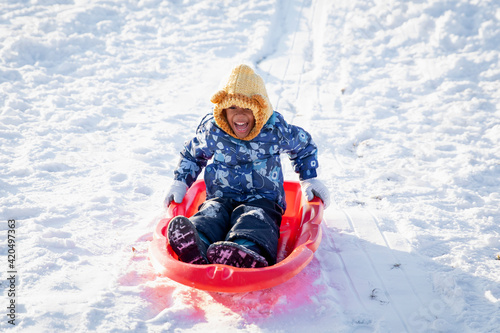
<point x="222" y="219"/>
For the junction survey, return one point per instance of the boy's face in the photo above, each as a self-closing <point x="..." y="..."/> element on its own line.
<point x="241" y="120"/>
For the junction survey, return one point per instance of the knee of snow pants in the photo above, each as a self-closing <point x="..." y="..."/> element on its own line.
<point x="258" y="221"/>
<point x="213" y="219"/>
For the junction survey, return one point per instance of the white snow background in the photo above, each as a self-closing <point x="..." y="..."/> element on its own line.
<point x="402" y="98"/>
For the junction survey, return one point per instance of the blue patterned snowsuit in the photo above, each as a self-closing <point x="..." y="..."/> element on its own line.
<point x="246" y="171"/>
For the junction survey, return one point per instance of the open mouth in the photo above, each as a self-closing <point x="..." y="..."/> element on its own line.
<point x="240" y="126"/>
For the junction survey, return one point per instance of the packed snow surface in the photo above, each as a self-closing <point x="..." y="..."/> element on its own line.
<point x="402" y="98"/>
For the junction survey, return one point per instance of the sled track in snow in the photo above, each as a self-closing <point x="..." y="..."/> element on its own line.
<point x="396" y="257"/>
<point x="372" y="263"/>
<point x="328" y="239"/>
<point x="366" y="275"/>
<point x="295" y="43"/>
<point x="352" y="221"/>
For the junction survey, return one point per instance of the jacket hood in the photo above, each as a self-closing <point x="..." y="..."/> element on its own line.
<point x="245" y="89"/>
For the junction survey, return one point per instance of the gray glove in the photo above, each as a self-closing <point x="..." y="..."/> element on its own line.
<point x="314" y="187"/>
<point x="176" y="193"/>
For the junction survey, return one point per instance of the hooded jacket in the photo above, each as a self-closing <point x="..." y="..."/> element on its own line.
<point x="246" y="170"/>
<point x="249" y="168"/>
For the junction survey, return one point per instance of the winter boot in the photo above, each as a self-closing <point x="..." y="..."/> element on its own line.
<point x="232" y="254"/>
<point x="185" y="241"/>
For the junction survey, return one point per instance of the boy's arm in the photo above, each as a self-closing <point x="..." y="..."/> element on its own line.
<point x="303" y="154"/>
<point x="193" y="159"/>
<point x="301" y="150"/>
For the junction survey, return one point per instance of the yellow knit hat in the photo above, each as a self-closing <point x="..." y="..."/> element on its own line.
<point x="245" y="89"/>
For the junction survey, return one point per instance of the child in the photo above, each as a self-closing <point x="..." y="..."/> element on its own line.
<point x="239" y="222"/>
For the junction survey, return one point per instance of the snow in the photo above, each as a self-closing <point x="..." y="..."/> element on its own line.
<point x="97" y="98"/>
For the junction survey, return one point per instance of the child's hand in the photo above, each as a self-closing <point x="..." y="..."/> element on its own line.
<point x="176" y="193"/>
<point x="314" y="187"/>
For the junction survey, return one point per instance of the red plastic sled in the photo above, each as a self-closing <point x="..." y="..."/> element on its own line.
<point x="300" y="237"/>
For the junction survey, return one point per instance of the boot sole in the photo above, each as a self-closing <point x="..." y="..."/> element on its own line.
<point x="185" y="242"/>
<point x="232" y="254"/>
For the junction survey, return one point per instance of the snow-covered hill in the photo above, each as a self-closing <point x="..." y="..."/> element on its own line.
<point x="97" y="98"/>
